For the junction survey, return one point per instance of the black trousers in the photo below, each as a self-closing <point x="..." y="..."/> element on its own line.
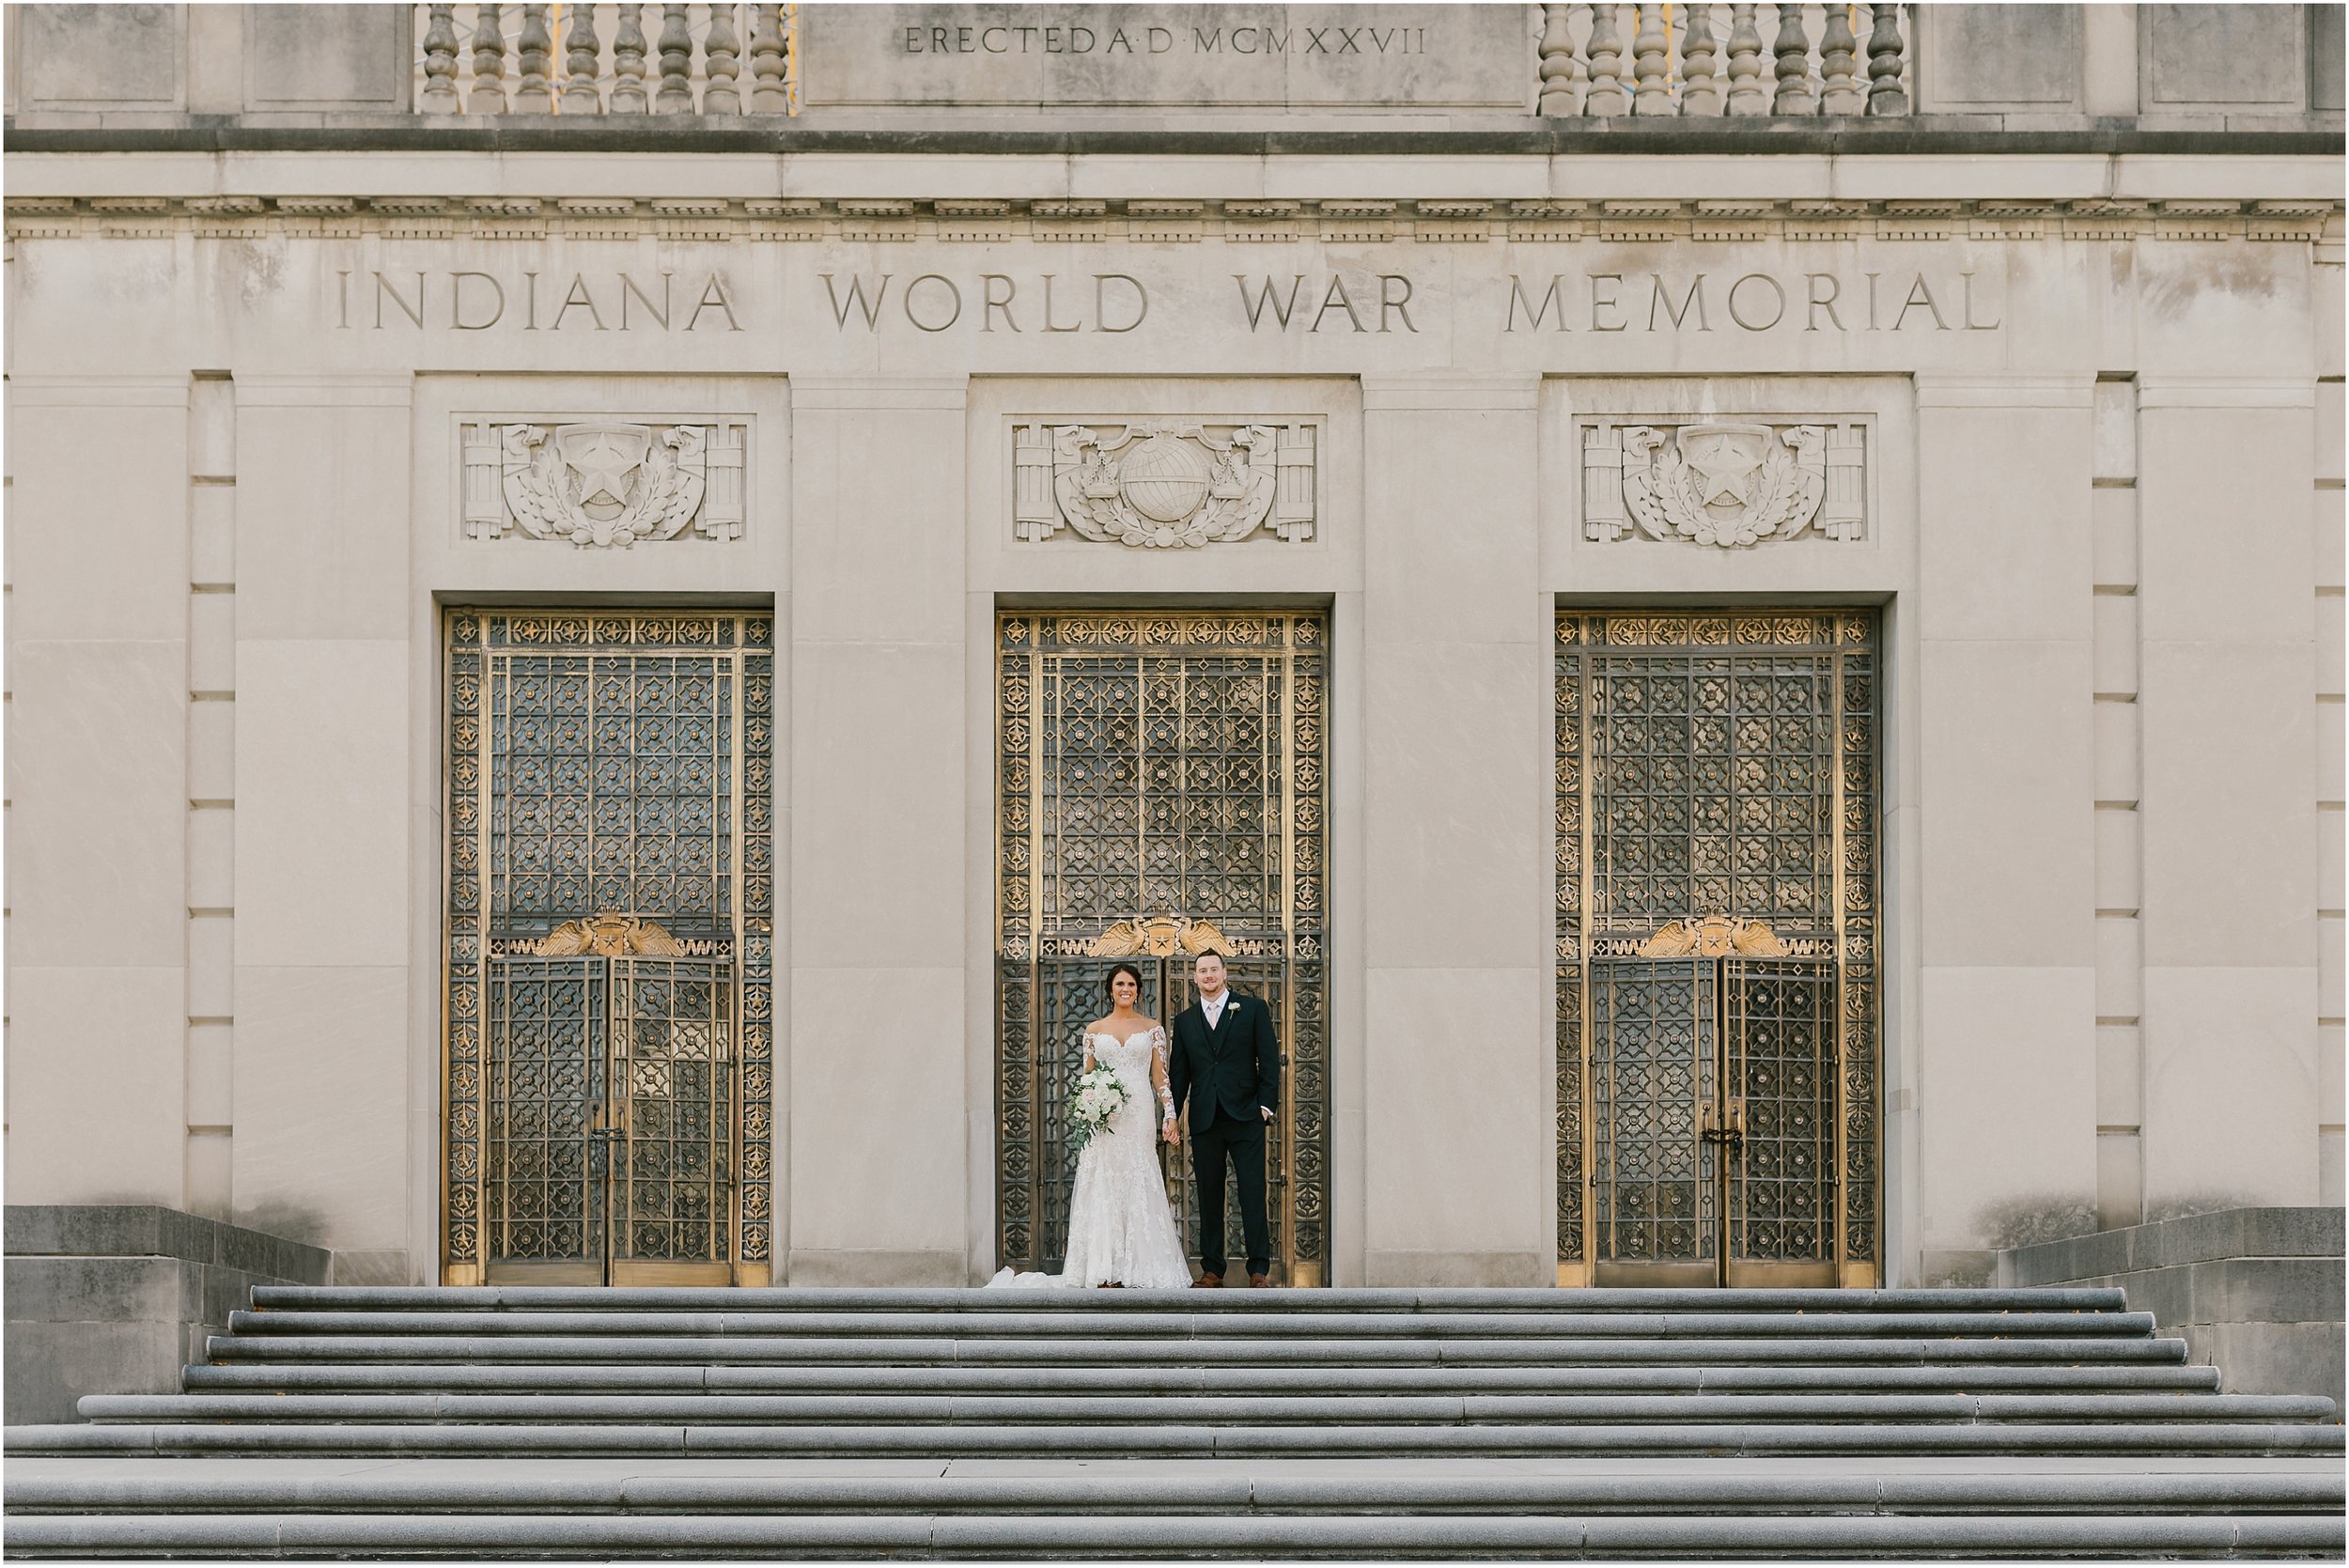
<point x="1242" y="1144"/>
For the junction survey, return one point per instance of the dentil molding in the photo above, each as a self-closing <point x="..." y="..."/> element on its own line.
<point x="986" y="221"/>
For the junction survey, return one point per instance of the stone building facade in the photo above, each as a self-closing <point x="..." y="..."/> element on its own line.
<point x="617" y="612"/>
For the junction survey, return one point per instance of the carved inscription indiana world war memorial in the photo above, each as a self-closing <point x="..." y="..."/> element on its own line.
<point x="1262" y="303"/>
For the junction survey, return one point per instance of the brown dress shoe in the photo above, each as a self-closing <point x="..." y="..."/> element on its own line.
<point x="1206" y="1281"/>
<point x="1258" y="1281"/>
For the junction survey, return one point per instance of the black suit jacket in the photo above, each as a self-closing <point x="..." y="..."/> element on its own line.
<point x="1226" y="1073"/>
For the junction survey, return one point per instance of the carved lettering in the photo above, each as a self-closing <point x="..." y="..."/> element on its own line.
<point x="457" y="302"/>
<point x="1825" y="302"/>
<point x="1264" y="297"/>
<point x="1534" y="315"/>
<point x="952" y="305"/>
<point x="628" y="286"/>
<point x="1659" y="299"/>
<point x="1778" y="308"/>
<point x="869" y="309"/>
<point x="1919" y="295"/>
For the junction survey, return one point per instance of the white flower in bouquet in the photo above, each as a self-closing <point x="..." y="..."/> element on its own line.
<point x="1093" y="1099"/>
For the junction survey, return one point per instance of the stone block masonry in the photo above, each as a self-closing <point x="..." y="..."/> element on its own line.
<point x="117" y="1298"/>
<point x="2257" y="1291"/>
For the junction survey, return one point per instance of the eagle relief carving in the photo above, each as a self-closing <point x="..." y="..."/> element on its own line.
<point x="1724" y="485"/>
<point x="604" y="483"/>
<point x="1165" y="484"/>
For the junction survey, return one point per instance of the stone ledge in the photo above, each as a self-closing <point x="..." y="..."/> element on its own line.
<point x="2225" y="1234"/>
<point x="142" y="1230"/>
<point x="1942" y="134"/>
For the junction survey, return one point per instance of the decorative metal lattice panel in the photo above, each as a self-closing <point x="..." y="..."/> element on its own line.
<point x="1722" y="765"/>
<point x="1653" y="1179"/>
<point x="1167" y="765"/>
<point x="608" y="1028"/>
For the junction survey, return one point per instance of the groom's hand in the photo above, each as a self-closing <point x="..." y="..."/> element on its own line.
<point x="1266" y="1112"/>
<point x="1172" y="1131"/>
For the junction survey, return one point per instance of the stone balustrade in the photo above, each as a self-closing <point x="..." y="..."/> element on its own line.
<point x="1691" y="60"/>
<point x="1626" y="71"/>
<point x="607" y="59"/>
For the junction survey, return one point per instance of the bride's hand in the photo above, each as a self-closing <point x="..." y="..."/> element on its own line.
<point x="1171" y="1130"/>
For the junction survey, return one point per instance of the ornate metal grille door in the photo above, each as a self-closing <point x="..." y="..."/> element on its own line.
<point x="609" y="1020"/>
<point x="1160" y="788"/>
<point x="1717" y="941"/>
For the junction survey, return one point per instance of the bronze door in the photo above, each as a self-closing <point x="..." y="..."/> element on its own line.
<point x="1161" y="790"/>
<point x="1713" y="1093"/>
<point x="609" y="1072"/>
<point x="1718" y="940"/>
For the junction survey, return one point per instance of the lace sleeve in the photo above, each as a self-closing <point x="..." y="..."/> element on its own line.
<point x="1158" y="1071"/>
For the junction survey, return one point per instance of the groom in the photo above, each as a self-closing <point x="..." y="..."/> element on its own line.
<point x="1228" y="1069"/>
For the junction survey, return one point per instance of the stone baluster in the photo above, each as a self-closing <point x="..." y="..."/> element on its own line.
<point x="1794" y="66"/>
<point x="1651" y="64"/>
<point x="1606" y="97"/>
<point x="440" y="64"/>
<point x="1746" y="96"/>
<point x="721" y="55"/>
<point x="675" y="96"/>
<point x="1700" y="65"/>
<point x="1885" y="96"/>
<point x="771" y="65"/>
<point x="627" y="64"/>
<point x="534" y="50"/>
<point x="1840" y="88"/>
<point x="488" y="63"/>
<point x="584" y="61"/>
<point x="1563" y="82"/>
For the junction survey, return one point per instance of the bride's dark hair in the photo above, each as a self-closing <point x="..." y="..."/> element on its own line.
<point x="1110" y="983"/>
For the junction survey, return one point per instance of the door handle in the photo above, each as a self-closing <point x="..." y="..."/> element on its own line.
<point x="1718" y="1123"/>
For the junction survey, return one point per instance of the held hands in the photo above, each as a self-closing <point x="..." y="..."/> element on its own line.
<point x="1171" y="1130"/>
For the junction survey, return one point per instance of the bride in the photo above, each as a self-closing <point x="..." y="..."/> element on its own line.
<point x="1121" y="1228"/>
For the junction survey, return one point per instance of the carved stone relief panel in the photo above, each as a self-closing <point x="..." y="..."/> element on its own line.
<point x="1725" y="484"/>
<point x="1166" y="484"/>
<point x="604" y="483"/>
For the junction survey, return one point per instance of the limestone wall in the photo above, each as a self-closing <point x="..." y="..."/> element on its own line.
<point x="2101" y="405"/>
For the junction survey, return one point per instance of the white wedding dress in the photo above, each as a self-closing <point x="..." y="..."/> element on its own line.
<point x="1121" y="1228"/>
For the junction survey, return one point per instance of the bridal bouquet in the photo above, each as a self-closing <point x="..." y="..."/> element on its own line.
<point x="1093" y="1099"/>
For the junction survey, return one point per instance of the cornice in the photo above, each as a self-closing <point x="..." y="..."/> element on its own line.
<point x="950" y="220"/>
<point x="1940" y="135"/>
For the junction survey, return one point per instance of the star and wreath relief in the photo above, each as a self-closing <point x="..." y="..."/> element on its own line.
<point x="1724" y="485"/>
<point x="604" y="483"/>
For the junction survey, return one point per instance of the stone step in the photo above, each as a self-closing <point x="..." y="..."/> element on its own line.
<point x="1285" y="1303"/>
<point x="1807" y="1490"/>
<point x="709" y="1409"/>
<point x="941" y="1349"/>
<point x="535" y="1378"/>
<point x="2179" y="1436"/>
<point x="1155" y="1534"/>
<point x="1168" y="1325"/>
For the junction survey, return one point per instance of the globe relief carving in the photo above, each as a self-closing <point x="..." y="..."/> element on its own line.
<point x="1165" y="484"/>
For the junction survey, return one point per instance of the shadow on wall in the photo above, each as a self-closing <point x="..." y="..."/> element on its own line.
<point x="2030" y="1220"/>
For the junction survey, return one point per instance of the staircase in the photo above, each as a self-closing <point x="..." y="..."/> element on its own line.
<point x="698" y="1423"/>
